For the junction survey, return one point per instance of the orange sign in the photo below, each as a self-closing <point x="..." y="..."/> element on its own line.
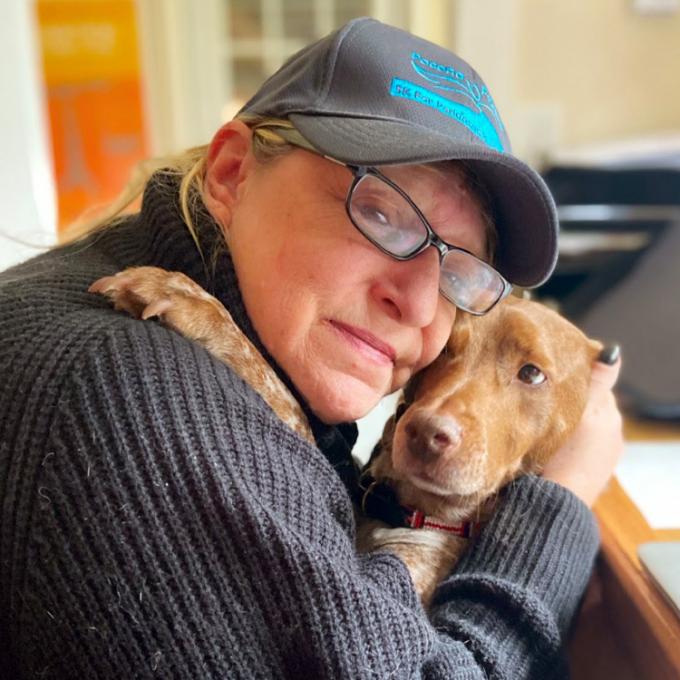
<point x="92" y="73"/>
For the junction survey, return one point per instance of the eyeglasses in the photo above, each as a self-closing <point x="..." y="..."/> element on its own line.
<point x="392" y="222"/>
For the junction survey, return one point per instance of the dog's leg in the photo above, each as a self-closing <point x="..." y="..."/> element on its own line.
<point x="181" y="304"/>
<point x="429" y="555"/>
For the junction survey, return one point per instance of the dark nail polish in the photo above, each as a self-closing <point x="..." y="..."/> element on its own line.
<point x="610" y="355"/>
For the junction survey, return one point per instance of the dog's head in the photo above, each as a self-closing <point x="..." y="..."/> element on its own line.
<point x="503" y="396"/>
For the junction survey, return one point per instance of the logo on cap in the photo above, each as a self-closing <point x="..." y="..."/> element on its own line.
<point x="476" y="111"/>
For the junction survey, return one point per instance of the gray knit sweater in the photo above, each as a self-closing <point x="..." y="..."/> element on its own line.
<point x="158" y="521"/>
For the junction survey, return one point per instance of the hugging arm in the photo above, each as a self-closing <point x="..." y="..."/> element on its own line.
<point x="519" y="585"/>
<point x="180" y="530"/>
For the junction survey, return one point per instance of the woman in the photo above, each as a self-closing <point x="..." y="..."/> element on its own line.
<point x="159" y="521"/>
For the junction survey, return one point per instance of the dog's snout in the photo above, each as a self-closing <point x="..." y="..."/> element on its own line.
<point x="432" y="435"/>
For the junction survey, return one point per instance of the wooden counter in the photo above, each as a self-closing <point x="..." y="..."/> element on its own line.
<point x="626" y="629"/>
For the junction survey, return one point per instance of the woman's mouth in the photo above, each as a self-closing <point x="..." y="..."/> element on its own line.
<point x="367" y="343"/>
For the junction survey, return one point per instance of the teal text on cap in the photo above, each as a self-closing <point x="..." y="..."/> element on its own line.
<point x="475" y="117"/>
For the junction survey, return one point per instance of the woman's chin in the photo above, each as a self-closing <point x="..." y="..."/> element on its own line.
<point x="344" y="398"/>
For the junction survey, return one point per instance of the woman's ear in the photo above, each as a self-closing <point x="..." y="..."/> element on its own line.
<point x="228" y="164"/>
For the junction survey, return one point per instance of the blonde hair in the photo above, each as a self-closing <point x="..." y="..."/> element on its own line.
<point x="190" y="165"/>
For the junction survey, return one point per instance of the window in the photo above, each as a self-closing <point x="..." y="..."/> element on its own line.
<point x="203" y="60"/>
<point x="261" y="34"/>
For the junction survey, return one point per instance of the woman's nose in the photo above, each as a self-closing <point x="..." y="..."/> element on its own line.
<point x="409" y="290"/>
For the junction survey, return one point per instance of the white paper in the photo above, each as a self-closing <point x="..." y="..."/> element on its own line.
<point x="649" y="473"/>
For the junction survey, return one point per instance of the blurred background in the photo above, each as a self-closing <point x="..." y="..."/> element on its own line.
<point x="588" y="91"/>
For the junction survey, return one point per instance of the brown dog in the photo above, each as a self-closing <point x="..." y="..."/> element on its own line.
<point x="504" y="395"/>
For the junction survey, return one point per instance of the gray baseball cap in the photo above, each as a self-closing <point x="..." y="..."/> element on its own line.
<point x="371" y="94"/>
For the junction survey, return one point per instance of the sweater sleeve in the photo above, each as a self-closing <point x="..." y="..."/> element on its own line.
<point x="513" y="595"/>
<point x="169" y="525"/>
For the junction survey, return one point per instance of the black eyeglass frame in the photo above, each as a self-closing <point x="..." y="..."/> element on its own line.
<point x="292" y="136"/>
<point x="432" y="238"/>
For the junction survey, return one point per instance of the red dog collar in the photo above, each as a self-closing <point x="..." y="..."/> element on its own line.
<point x="419" y="520"/>
<point x="378" y="500"/>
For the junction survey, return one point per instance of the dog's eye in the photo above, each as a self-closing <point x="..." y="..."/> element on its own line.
<point x="531" y="375"/>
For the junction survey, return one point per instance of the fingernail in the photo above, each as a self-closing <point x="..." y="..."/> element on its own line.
<point x="610" y="355"/>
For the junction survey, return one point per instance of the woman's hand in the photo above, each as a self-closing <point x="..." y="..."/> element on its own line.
<point x="585" y="463"/>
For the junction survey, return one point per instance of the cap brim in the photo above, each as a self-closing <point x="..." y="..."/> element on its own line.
<point x="525" y="212"/>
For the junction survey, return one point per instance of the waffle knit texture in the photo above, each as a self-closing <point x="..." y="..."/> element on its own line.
<point x="158" y="521"/>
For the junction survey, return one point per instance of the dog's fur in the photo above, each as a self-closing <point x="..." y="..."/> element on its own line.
<point x="146" y="292"/>
<point x="504" y="395"/>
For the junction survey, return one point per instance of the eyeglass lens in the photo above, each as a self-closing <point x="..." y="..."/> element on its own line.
<point x="389" y="221"/>
<point x="469" y="283"/>
<point x="386" y="217"/>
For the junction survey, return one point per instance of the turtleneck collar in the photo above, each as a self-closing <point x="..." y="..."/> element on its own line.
<point x="161" y="238"/>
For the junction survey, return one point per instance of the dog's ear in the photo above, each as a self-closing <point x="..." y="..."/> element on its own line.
<point x="384" y="444"/>
<point x="409" y="392"/>
<point x="380" y="445"/>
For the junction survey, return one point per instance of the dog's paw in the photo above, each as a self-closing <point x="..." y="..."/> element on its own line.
<point x="145" y="292"/>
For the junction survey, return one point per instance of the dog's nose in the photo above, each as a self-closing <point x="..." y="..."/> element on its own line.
<point x="432" y="435"/>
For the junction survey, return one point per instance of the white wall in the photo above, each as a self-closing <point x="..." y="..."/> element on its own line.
<point x="570" y="73"/>
<point x="27" y="194"/>
<point x="371" y="426"/>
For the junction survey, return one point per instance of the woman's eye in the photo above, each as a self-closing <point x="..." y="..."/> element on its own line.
<point x="377" y="213"/>
<point x="374" y="215"/>
<point x="531" y="375"/>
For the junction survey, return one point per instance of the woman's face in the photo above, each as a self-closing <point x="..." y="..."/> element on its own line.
<point x="347" y="323"/>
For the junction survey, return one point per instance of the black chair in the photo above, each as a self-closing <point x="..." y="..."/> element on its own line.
<point x="608" y="218"/>
<point x="617" y="276"/>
